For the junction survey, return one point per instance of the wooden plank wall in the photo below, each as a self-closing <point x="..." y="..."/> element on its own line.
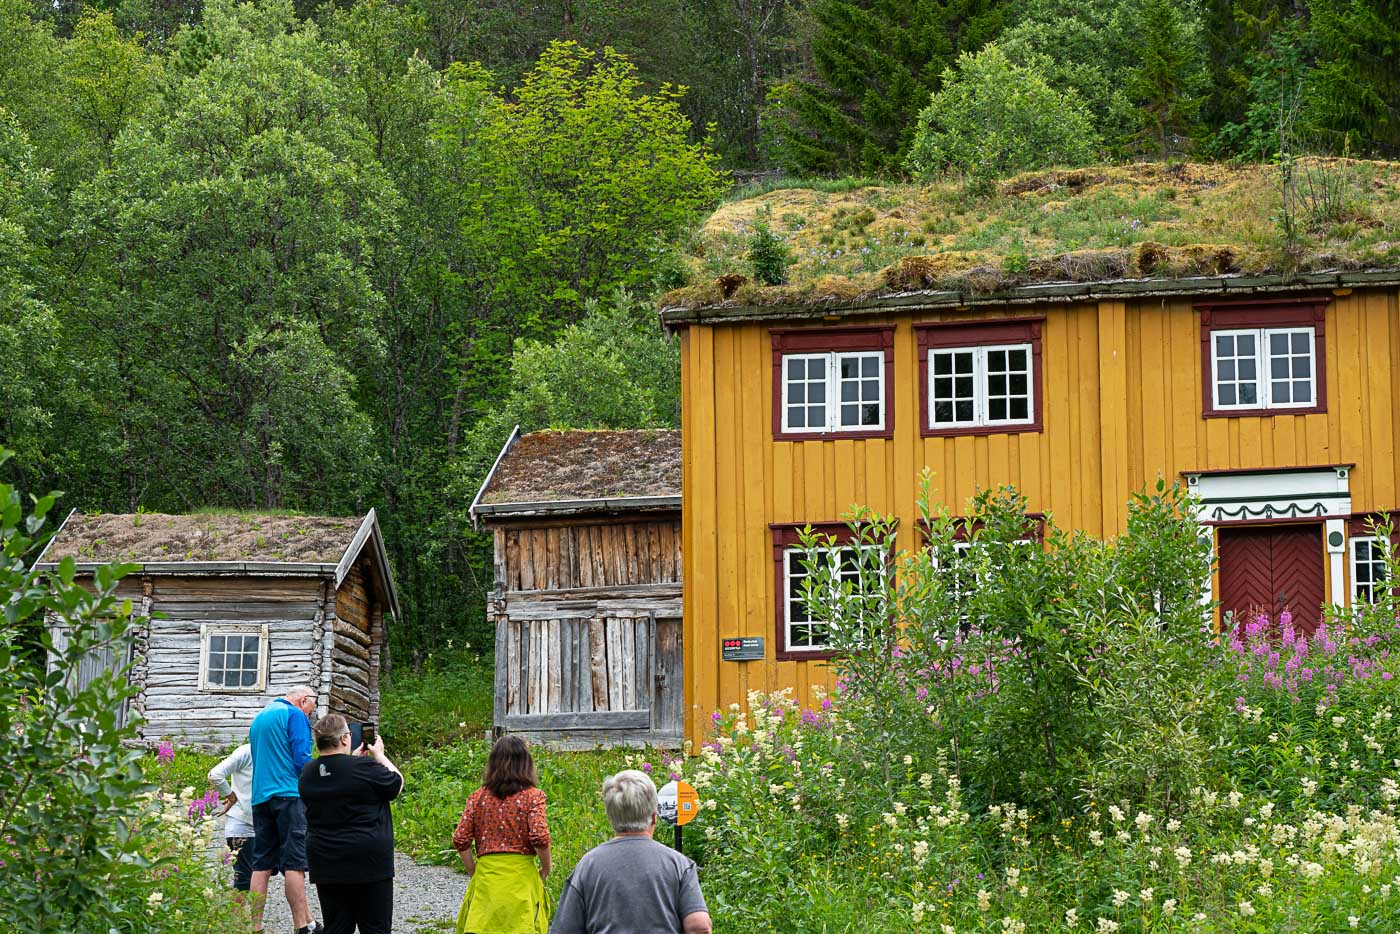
<point x="292" y="609"/>
<point x="563" y="557"/>
<point x="574" y="606"/>
<point x="581" y="665"/>
<point x="1122" y="405"/>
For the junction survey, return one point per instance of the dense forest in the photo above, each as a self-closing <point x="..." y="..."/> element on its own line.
<point x="288" y="256"/>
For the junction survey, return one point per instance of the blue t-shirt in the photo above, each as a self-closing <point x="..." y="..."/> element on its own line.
<point x="280" y="736"/>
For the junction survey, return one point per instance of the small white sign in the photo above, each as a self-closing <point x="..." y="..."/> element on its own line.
<point x="677" y="803"/>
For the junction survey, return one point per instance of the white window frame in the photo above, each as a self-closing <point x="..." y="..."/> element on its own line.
<point x="980" y="389"/>
<point x="1374" y="544"/>
<point x="788" y="553"/>
<point x="833" y="392"/>
<point x="1262" y="371"/>
<point x="961" y="549"/>
<point x="207" y="630"/>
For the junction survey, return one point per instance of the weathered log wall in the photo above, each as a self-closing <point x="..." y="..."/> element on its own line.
<point x="293" y="609"/>
<point x="354" y="667"/>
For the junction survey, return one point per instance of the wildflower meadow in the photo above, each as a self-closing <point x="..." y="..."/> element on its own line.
<point x="1059" y="739"/>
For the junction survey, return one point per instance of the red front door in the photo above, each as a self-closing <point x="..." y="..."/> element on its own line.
<point x="1273" y="568"/>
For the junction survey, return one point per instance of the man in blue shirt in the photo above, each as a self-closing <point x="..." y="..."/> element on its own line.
<point x="280" y="737"/>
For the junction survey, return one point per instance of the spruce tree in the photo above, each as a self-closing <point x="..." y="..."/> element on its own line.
<point x="1170" y="80"/>
<point x="874" y="65"/>
<point x="1355" y="89"/>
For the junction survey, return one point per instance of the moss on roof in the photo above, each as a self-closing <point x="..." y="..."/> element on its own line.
<point x="1093" y="224"/>
<point x="156" y="537"/>
<point x="555" y="466"/>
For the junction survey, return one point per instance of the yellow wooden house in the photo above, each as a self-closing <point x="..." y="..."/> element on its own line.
<point x="1275" y="397"/>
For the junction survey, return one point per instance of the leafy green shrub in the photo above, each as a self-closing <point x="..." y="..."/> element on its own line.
<point x="992" y="117"/>
<point x="768" y="255"/>
<point x="803" y="830"/>
<point x="1050" y="671"/>
<point x="85" y="843"/>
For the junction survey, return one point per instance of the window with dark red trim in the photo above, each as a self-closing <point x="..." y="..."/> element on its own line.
<point x="797" y="635"/>
<point x="980" y="377"/>
<point x="833" y="383"/>
<point x="1367" y="555"/>
<point x="1263" y="357"/>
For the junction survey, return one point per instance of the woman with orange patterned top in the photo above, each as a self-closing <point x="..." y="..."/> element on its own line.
<point x="504" y="823"/>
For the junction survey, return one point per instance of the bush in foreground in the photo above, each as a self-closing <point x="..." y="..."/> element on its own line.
<point x="85" y="842"/>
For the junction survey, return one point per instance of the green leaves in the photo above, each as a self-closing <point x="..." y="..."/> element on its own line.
<point x="67" y="789"/>
<point x="993" y="117"/>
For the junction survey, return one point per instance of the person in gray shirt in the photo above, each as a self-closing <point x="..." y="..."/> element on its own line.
<point x="631" y="884"/>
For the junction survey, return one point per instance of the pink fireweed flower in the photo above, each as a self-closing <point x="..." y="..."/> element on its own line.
<point x="165" y="752"/>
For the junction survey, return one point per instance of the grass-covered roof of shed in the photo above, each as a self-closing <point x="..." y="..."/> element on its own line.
<point x="562" y="466"/>
<point x="101" y="538"/>
<point x="852" y="241"/>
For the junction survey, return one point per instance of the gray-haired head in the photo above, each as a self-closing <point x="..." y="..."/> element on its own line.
<point x="296" y="693"/>
<point x="629" y="797"/>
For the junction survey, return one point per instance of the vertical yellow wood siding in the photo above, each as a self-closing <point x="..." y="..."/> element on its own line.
<point x="1122" y="406"/>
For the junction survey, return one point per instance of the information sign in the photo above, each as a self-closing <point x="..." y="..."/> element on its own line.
<point x="677" y="803"/>
<point x="741" y="648"/>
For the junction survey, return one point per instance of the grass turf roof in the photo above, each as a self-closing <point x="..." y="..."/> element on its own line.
<point x="1095" y="224"/>
<point x="561" y="466"/>
<point x="100" y="538"/>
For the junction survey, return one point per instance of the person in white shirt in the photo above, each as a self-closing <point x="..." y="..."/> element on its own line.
<point x="234" y="780"/>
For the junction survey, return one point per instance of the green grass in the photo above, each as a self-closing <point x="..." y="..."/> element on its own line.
<point x="190" y="769"/>
<point x="448" y="701"/>
<point x="849" y="240"/>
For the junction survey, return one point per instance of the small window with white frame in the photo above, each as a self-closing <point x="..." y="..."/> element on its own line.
<point x="802" y="630"/>
<point x="975" y="387"/>
<point x="233" y="659"/>
<point x="1368" y="569"/>
<point x="1264" y="368"/>
<point x="833" y="392"/>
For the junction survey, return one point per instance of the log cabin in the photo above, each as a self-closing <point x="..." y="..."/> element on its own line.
<point x="1078" y="378"/>
<point x="234" y="609"/>
<point x="586" y="602"/>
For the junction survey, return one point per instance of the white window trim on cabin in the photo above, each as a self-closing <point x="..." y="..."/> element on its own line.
<point x="981" y="392"/>
<point x="788" y="599"/>
<point x="206" y="630"/>
<point x="1263" y="360"/>
<point x="833" y="383"/>
<point x="1373" y="544"/>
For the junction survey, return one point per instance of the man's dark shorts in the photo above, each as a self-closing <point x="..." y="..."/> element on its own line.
<point x="242" y="850"/>
<point x="279" y="836"/>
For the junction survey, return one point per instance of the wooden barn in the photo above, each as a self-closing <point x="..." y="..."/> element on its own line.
<point x="587" y="596"/>
<point x="238" y="608"/>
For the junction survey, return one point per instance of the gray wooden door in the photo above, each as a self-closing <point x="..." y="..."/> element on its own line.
<point x="668" y="704"/>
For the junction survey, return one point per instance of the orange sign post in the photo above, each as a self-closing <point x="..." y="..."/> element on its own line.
<point x="677" y="803"/>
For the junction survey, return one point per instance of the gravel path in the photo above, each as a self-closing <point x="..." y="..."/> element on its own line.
<point x="426" y="899"/>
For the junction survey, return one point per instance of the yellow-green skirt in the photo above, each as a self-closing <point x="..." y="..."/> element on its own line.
<point x="505" y="896"/>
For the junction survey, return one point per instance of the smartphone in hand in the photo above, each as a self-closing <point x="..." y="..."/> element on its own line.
<point x="368" y="733"/>
<point x="356" y="736"/>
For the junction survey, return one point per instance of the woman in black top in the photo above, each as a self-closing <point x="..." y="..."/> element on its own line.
<point x="350" y="830"/>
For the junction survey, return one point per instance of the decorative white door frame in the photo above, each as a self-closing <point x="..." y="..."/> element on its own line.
<point x="1272" y="495"/>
